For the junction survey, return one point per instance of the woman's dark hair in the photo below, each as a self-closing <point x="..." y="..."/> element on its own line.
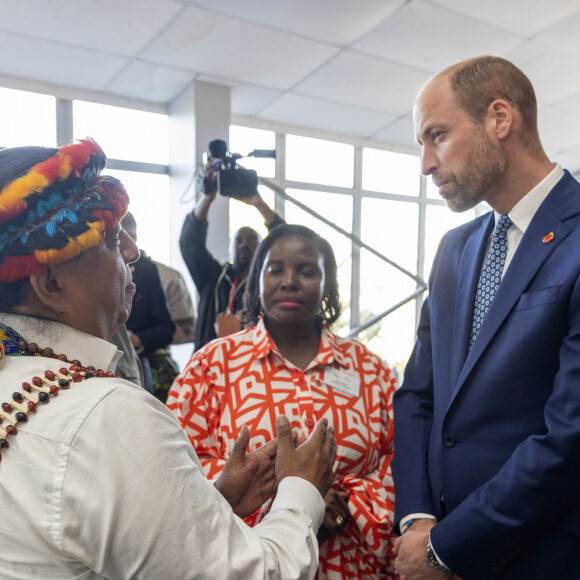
<point x="330" y="307"/>
<point x="15" y="163"/>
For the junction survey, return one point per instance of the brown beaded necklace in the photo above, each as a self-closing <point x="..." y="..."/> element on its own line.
<point x="39" y="390"/>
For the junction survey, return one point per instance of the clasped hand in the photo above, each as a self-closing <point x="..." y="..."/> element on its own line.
<point x="249" y="479"/>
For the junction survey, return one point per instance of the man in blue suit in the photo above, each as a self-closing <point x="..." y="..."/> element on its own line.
<point x="487" y="420"/>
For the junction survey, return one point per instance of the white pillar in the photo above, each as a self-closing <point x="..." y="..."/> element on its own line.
<point x="198" y="115"/>
<point x="212" y="114"/>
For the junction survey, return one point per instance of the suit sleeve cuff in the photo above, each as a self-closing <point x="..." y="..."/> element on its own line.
<point x="441" y="562"/>
<point x="407" y="520"/>
<point x="297" y="493"/>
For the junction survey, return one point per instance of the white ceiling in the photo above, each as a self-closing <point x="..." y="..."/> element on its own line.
<point x="344" y="66"/>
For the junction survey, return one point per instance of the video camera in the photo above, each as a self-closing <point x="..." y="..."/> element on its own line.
<point x="232" y="179"/>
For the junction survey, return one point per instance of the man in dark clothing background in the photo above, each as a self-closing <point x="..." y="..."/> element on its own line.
<point x="220" y="286"/>
<point x="150" y="324"/>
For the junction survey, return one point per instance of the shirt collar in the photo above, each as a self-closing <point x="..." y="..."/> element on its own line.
<point x="63" y="339"/>
<point x="328" y="351"/>
<point x="523" y="212"/>
<point x="263" y="342"/>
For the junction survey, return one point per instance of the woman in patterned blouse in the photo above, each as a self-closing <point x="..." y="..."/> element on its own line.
<point x="289" y="362"/>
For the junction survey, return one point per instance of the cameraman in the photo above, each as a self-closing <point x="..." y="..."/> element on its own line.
<point x="220" y="286"/>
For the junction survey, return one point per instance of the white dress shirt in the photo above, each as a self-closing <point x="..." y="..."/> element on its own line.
<point x="103" y="483"/>
<point x="523" y="212"/>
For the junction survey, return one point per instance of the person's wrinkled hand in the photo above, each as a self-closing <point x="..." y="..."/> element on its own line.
<point x="248" y="479"/>
<point x="313" y="460"/>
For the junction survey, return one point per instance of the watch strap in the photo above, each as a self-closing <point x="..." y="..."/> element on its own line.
<point x="433" y="559"/>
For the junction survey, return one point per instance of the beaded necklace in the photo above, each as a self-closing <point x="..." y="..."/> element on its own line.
<point x="39" y="390"/>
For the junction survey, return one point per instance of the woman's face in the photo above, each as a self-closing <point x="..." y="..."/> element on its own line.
<point x="292" y="280"/>
<point x="99" y="284"/>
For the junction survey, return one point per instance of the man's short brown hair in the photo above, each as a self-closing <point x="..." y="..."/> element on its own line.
<point x="480" y="81"/>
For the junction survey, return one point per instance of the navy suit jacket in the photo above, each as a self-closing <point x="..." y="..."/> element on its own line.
<point x="488" y="439"/>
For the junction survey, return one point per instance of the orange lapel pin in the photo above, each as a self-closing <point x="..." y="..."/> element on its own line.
<point x="548" y="238"/>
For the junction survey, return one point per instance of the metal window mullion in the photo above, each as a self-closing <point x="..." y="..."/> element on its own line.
<point x="64" y="122"/>
<point x="421" y="237"/>
<point x="280" y="174"/>
<point x="137" y="166"/>
<point x="355" y="286"/>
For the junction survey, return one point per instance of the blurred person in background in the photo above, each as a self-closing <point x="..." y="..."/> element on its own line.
<point x="150" y="325"/>
<point x="129" y="364"/>
<point x="164" y="368"/>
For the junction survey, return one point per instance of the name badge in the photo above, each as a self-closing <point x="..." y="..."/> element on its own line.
<point x="343" y="381"/>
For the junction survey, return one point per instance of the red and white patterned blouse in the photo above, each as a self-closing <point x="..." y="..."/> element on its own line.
<point x="242" y="379"/>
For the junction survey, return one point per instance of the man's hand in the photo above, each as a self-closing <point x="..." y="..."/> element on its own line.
<point x="210" y="178"/>
<point x="411" y="557"/>
<point x="337" y="512"/>
<point x="209" y="193"/>
<point x="313" y="460"/>
<point x="248" y="479"/>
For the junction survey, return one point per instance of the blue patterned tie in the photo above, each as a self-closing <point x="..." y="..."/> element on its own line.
<point x="490" y="275"/>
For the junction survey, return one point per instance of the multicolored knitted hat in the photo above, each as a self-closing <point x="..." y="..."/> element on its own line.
<point x="57" y="210"/>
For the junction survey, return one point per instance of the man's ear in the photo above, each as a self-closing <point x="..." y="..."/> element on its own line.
<point x="501" y="116"/>
<point x="48" y="289"/>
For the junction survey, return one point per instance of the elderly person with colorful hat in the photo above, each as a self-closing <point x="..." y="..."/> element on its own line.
<point x="97" y="479"/>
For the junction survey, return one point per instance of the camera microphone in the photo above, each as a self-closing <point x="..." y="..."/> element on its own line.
<point x="218" y="148"/>
<point x="232" y="179"/>
<point x="263" y="153"/>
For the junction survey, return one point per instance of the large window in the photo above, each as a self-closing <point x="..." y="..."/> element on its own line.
<point x="124" y="133"/>
<point x="318" y="161"/>
<point x="149" y="194"/>
<point x="245" y="141"/>
<point x="385" y="203"/>
<point x="391" y="227"/>
<point x="138" y="139"/>
<point x="27" y="119"/>
<point x="390" y="172"/>
<point x="371" y="193"/>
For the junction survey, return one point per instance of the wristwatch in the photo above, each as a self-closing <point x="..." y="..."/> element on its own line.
<point x="433" y="560"/>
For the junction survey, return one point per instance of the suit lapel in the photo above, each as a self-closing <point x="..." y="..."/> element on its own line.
<point x="532" y="252"/>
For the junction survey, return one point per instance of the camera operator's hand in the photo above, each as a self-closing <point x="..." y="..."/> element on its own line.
<point x="209" y="194"/>
<point x="313" y="460"/>
<point x="210" y="179"/>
